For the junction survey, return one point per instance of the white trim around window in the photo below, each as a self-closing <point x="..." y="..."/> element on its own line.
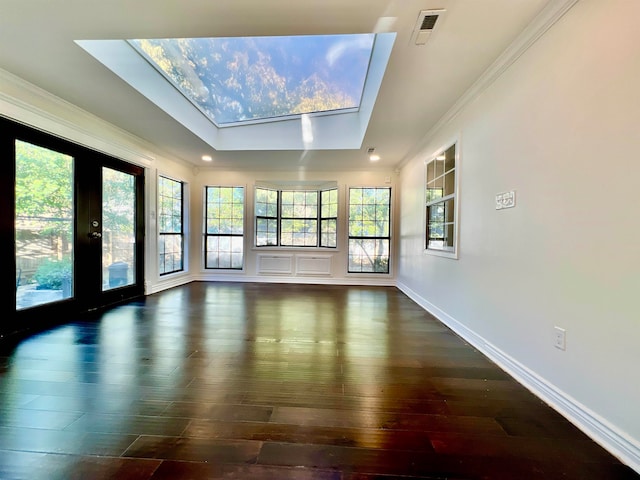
<point x="441" y="195"/>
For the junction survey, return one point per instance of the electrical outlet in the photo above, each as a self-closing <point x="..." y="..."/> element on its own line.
<point x="561" y="338"/>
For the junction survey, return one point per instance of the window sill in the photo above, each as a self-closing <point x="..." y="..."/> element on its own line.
<point x="442" y="253"/>
<point x="369" y="274"/>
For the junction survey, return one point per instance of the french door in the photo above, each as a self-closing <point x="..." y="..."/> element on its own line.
<point x="73" y="219"/>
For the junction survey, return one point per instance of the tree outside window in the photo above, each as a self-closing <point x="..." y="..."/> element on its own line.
<point x="296" y="217"/>
<point x="369" y="229"/>
<point x="170" y="226"/>
<point x="224" y="224"/>
<point x="44" y="222"/>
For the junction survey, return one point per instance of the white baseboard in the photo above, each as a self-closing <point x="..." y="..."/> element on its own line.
<point x="175" y="281"/>
<point x="619" y="444"/>
<point x="166" y="283"/>
<point x="308" y="280"/>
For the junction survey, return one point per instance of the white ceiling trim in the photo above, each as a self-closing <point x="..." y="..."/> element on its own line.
<point x="44" y="119"/>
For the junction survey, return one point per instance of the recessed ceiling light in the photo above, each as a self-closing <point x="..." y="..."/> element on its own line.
<point x="374" y="157"/>
<point x="207" y="158"/>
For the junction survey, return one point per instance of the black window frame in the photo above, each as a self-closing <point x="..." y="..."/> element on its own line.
<point x="311" y="222"/>
<point x="232" y="235"/>
<point x="163" y="234"/>
<point x="377" y="261"/>
<point x="324" y="233"/>
<point x="262" y="219"/>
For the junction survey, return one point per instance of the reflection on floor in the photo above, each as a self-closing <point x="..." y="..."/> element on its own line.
<point x="267" y="381"/>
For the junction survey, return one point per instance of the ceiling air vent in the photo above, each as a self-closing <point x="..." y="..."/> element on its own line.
<point x="425" y="25"/>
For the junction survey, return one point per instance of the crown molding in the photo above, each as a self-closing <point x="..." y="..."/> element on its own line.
<point x="551" y="13"/>
<point x="29" y="104"/>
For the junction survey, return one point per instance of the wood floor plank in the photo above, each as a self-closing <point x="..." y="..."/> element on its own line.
<point x="172" y="470"/>
<point x="194" y="449"/>
<point x="27" y="418"/>
<point x="314" y="435"/>
<point x="60" y="441"/>
<point x="215" y="411"/>
<point x="129" y="424"/>
<point x="71" y="467"/>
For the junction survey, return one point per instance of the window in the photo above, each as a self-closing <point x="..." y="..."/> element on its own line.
<point x="170" y="226"/>
<point x="296" y="218"/>
<point x="44" y="225"/>
<point x="299" y="219"/>
<point x="329" y="218"/>
<point x="369" y="230"/>
<point x="224" y="227"/>
<point x="239" y="79"/>
<point x="441" y="202"/>
<point x="266" y="217"/>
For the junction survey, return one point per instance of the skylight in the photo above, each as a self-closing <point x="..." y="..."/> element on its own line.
<point x="345" y="71"/>
<point x="236" y="80"/>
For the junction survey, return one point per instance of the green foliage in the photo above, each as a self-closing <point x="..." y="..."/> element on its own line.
<point x="52" y="273"/>
<point x="225" y="210"/>
<point x="381" y="264"/>
<point x="169" y="205"/>
<point x="44" y="186"/>
<point x="369" y="218"/>
<point x="232" y="81"/>
<point x="118" y="201"/>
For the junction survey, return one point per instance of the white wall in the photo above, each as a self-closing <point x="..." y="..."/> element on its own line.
<point x="561" y="127"/>
<point x="182" y="173"/>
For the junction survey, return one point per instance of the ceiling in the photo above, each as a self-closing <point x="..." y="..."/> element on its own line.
<point x="420" y="84"/>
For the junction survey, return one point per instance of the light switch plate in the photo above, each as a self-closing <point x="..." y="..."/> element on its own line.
<point x="506" y="200"/>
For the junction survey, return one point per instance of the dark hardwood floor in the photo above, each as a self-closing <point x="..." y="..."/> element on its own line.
<point x="275" y="381"/>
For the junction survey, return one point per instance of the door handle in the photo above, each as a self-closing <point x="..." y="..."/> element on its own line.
<point x="95" y="235"/>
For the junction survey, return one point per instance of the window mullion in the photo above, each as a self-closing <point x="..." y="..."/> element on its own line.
<point x="440" y="200"/>
<point x="279" y="218"/>
<point x="319" y="220"/>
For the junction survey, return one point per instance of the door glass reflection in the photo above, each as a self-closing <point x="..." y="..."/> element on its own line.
<point x="43" y="225"/>
<point x="118" y="229"/>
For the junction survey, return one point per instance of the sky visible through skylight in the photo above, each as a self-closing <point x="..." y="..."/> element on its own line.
<point x="242" y="79"/>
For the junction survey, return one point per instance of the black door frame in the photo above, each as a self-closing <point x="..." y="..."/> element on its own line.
<point x="88" y="295"/>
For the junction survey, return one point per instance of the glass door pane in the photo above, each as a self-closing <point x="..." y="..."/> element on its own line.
<point x="44" y="225"/>
<point x="118" y="229"/>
